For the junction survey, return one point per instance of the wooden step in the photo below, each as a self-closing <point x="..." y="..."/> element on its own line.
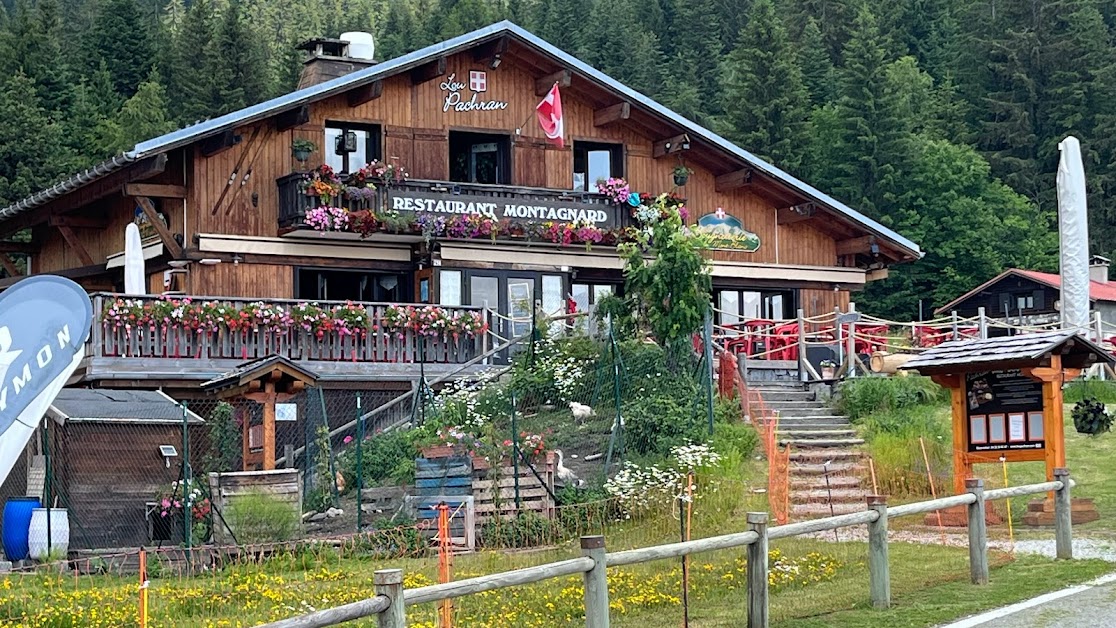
<point x="809" y="482"/>
<point x="771" y="396"/>
<point x="815" y="510"/>
<point x="821" y="431"/>
<point x="807" y="412"/>
<point x="836" y="495"/>
<point x="837" y="469"/>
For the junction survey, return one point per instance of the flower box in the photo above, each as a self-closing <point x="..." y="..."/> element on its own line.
<point x="443" y="451"/>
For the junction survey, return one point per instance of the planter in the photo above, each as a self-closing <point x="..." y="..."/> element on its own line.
<point x="828" y="372"/>
<point x="681" y="179"/>
<point x="442" y="451"/>
<point x="301" y="155"/>
<point x="59" y="533"/>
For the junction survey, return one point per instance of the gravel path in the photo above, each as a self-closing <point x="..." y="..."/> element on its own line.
<point x="1092" y="605"/>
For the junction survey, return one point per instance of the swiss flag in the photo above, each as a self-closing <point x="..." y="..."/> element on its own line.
<point x="550" y="116"/>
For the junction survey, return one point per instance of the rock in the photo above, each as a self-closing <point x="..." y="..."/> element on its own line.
<point x="318" y="516"/>
<point x="334" y="512"/>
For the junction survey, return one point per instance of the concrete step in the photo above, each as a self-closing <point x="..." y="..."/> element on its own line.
<point x="771" y="396"/>
<point x="818" y="511"/>
<point x="810" y="470"/>
<point x="808" y="482"/>
<point x="815" y="420"/>
<point x="797" y="403"/>
<point x="823" y="431"/>
<point x="801" y="443"/>
<point x="846" y="495"/>
<point x="819" y="456"/>
<point x="800" y="412"/>
<point x="803" y="425"/>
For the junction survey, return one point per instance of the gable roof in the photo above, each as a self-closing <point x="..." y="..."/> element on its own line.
<point x="958" y="356"/>
<point x="89" y="405"/>
<point x="266" y="109"/>
<point x="1098" y="291"/>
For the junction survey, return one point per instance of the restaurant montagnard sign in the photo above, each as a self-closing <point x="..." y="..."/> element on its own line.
<point x="500" y="208"/>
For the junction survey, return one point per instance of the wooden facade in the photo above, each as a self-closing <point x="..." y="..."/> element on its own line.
<point x="220" y="195"/>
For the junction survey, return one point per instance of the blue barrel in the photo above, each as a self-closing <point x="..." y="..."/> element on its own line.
<point x="17" y="520"/>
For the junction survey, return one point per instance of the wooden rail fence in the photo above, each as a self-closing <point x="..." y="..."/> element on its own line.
<point x="391" y="600"/>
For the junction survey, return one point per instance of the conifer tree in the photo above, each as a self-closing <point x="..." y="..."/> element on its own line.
<point x="399" y="33"/>
<point x="94" y="102"/>
<point x="817" y="67"/>
<point x="119" y="38"/>
<point x="142" y="117"/>
<point x="186" y="74"/>
<point x="698" y="46"/>
<point x="236" y="64"/>
<point x="764" y="98"/>
<point x="32" y="151"/>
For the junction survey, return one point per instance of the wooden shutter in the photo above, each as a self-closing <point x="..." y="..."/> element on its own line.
<point x="431" y="155"/>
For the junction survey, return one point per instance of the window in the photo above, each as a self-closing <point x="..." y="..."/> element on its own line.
<point x="450" y="287"/>
<point x="594" y="161"/>
<point x="480" y="158"/>
<point x="349" y="146"/>
<point x="1025" y="302"/>
<point x="738" y="306"/>
<point x="350" y="285"/>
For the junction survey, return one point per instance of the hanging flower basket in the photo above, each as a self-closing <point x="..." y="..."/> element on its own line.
<point x="1091" y="417"/>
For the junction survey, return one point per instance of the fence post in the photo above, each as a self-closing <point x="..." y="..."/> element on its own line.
<point x="879" y="570"/>
<point x="389" y="583"/>
<point x="803" y="376"/>
<point x="359" y="465"/>
<point x="850" y="341"/>
<point x="978" y="533"/>
<point x="757" y="571"/>
<point x="955" y="330"/>
<point x="982" y="323"/>
<point x="1063" y="520"/>
<point x="596" y="582"/>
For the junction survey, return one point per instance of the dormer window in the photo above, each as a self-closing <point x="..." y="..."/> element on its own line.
<point x="349" y="146"/>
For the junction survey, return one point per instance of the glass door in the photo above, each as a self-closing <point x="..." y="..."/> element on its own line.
<point x="521" y="295"/>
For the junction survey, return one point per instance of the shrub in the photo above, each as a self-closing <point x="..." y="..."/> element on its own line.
<point x="860" y="397"/>
<point x="655" y="423"/>
<point x="256" y="517"/>
<point x="385" y="457"/>
<point x="736" y="442"/>
<point x="224" y="439"/>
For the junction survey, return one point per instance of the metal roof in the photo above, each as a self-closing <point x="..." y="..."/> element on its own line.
<point x="191" y="134"/>
<point x="1098" y="290"/>
<point x="972" y="354"/>
<point x="118" y="406"/>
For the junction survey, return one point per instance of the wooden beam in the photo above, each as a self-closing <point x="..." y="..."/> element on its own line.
<point x="856" y="246"/>
<point x="9" y="265"/>
<point x="72" y="273"/>
<point x="795" y="213"/>
<point x="733" y="180"/>
<point x="76" y="222"/>
<point x="365" y="93"/>
<point x="670" y="146"/>
<point x="18" y="247"/>
<point x="429" y="71"/>
<point x="610" y="115"/>
<point x="222" y="141"/>
<point x="164" y="233"/>
<point x="292" y="118"/>
<point x="492" y="52"/>
<point x="561" y="78"/>
<point x="75" y="244"/>
<point x="156" y="190"/>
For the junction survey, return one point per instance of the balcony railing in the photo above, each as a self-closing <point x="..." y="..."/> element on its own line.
<point x="450" y="198"/>
<point x="224" y="329"/>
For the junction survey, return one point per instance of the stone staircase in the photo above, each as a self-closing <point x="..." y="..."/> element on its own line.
<point x="823" y="446"/>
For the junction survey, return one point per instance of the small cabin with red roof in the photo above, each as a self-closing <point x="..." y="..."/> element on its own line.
<point x="1030" y="297"/>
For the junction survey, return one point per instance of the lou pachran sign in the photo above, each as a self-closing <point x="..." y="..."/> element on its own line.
<point x="1004" y="411"/>
<point x="44" y="323"/>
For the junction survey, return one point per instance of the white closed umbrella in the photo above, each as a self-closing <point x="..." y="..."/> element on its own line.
<point x="1073" y="233"/>
<point x="135" y="277"/>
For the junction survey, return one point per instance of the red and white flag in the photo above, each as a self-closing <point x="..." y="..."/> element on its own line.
<point x="550" y="116"/>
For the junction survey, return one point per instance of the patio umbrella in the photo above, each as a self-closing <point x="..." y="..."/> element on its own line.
<point x="135" y="278"/>
<point x="1073" y="230"/>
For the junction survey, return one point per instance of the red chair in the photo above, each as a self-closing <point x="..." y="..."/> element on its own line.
<point x="757" y="334"/>
<point x="870" y="338"/>
<point x="786" y="338"/>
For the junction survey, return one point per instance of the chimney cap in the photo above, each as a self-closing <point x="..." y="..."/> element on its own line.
<point x="1099" y="260"/>
<point x="326" y="45"/>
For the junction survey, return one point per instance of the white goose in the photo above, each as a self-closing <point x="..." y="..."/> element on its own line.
<point x="567" y="477"/>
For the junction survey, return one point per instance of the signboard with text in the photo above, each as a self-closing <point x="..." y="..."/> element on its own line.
<point x="503" y="208"/>
<point x="1004" y="411"/>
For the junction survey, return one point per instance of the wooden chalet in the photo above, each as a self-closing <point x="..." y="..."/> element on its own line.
<point x="1029" y="297"/>
<point x="223" y="206"/>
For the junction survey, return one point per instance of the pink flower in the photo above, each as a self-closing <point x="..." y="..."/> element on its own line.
<point x="348" y="439"/>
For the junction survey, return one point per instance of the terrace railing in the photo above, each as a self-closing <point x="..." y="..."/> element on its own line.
<point x="377" y="342"/>
<point x="390" y="602"/>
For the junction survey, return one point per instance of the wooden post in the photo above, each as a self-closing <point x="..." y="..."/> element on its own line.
<point x="1098" y="329"/>
<point x="982" y="322"/>
<point x="978" y="533"/>
<point x="389" y="583"/>
<point x="1063" y="521"/>
<point x="144" y="585"/>
<point x="596" y="583"/>
<point x="289" y="456"/>
<point x="954" y="315"/>
<point x="850" y="344"/>
<point x="879" y="574"/>
<point x="269" y="427"/>
<point x="802" y="375"/>
<point x="757" y="571"/>
<point x="840" y="337"/>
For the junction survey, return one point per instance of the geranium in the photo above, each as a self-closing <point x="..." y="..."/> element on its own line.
<point x="327" y="218"/>
<point x="587" y="233"/>
<point x="351" y="319"/>
<point x="432" y="320"/>
<point x="322" y="182"/>
<point x="617" y="190"/>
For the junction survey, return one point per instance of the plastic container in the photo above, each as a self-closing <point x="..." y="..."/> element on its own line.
<point x="59" y="533"/>
<point x="17" y="521"/>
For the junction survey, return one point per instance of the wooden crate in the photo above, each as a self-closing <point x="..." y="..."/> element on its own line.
<point x="496" y="497"/>
<point x="224" y="488"/>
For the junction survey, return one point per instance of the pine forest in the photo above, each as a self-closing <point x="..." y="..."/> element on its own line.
<point x="938" y="118"/>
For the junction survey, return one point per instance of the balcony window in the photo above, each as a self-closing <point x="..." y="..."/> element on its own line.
<point x="349" y="146"/>
<point x="594" y="161"/>
<point x="480" y="158"/>
<point x="737" y="306"/>
<point x="349" y="285"/>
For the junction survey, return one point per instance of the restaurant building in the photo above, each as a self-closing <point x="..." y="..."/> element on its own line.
<point x="471" y="206"/>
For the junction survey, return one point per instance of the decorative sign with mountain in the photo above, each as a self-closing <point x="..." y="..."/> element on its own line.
<point x="727" y="232"/>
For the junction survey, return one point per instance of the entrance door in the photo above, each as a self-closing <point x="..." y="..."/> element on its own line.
<point x="521" y="297"/>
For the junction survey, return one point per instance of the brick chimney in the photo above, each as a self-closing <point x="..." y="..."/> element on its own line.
<point x="333" y="58"/>
<point x="1098" y="268"/>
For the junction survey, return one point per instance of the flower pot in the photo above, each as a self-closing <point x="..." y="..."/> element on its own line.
<point x="301" y="154"/>
<point x="681" y="179"/>
<point x="828" y="372"/>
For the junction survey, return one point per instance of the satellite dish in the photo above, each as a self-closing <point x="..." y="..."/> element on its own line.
<point x="361" y="44"/>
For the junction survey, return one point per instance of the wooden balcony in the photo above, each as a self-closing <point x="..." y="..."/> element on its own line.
<point x="187" y="339"/>
<point x="449" y="198"/>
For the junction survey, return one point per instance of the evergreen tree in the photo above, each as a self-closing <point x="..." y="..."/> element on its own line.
<point x="764" y="98"/>
<point x="235" y="64"/>
<point x="399" y="32"/>
<point x="680" y="89"/>
<point x="618" y="44"/>
<point x="696" y="43"/>
<point x="119" y="38"/>
<point x="817" y="67"/>
<point x="94" y="102"/>
<point x="188" y="81"/>
<point x="143" y="116"/>
<point x="32" y="151"/>
<point x="563" y="23"/>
